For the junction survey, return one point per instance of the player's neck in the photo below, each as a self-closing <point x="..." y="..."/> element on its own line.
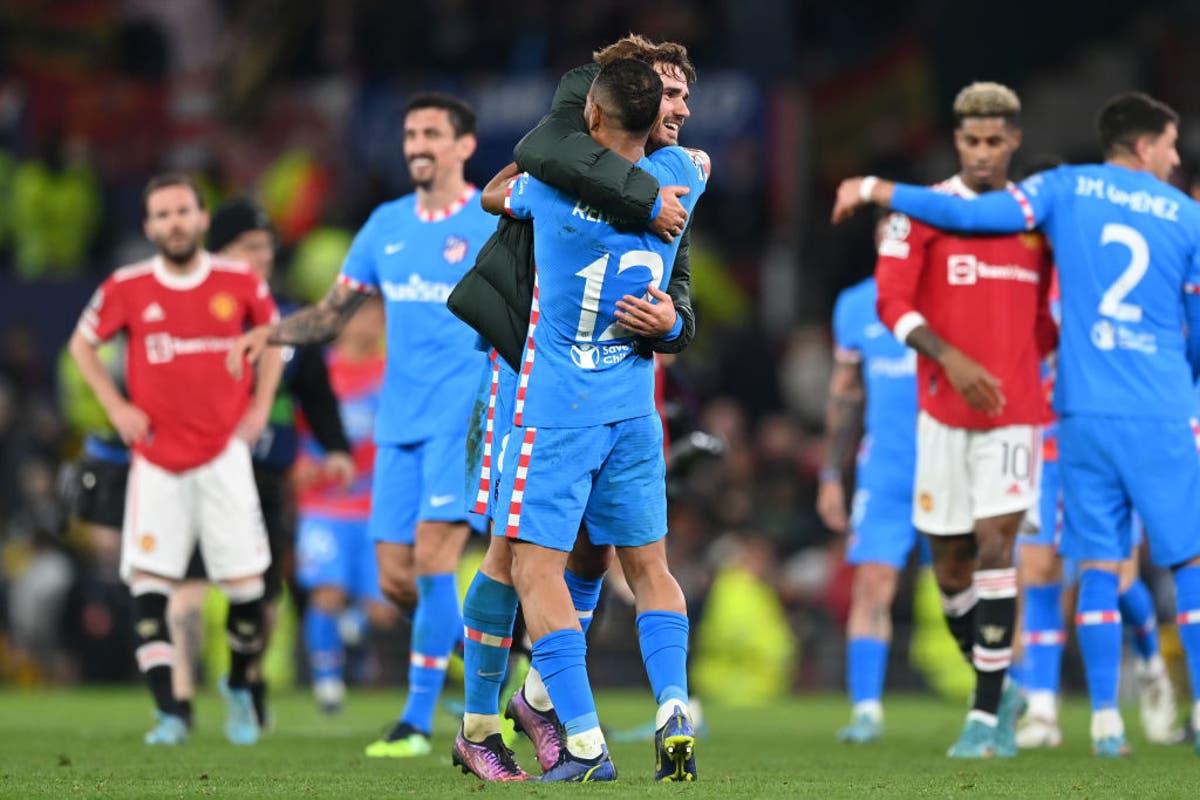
<point x="441" y="195"/>
<point x="979" y="187"/>
<point x="628" y="146"/>
<point x="1128" y="162"/>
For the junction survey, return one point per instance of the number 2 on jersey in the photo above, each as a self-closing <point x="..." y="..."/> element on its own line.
<point x="593" y="275"/>
<point x="1111" y="304"/>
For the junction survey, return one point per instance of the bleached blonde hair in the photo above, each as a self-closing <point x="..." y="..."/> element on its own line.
<point x="987" y="99"/>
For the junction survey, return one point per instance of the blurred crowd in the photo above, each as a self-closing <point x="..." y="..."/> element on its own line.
<point x="295" y="103"/>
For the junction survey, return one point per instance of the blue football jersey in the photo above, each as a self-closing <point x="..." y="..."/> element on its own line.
<point x="1128" y="252"/>
<point x="889" y="376"/>
<point x="579" y="367"/>
<point x="414" y="260"/>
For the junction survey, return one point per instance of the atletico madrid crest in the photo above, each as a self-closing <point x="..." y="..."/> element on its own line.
<point x="455" y="249"/>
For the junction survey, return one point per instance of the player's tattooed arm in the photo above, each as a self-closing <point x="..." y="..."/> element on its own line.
<point x="980" y="388"/>
<point x="843" y="415"/>
<point x="927" y="343"/>
<point x="319" y="323"/>
<point x="315" y="324"/>
<point x="843" y="427"/>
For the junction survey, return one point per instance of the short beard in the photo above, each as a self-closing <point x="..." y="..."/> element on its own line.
<point x="180" y="259"/>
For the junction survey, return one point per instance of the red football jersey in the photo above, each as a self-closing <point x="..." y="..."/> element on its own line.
<point x="180" y="329"/>
<point x="986" y="296"/>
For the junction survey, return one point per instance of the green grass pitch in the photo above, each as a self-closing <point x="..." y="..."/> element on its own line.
<point x="86" y="743"/>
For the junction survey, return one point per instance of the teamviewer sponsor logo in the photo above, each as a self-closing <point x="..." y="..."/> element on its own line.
<point x="961" y="270"/>
<point x="964" y="269"/>
<point x="162" y="348"/>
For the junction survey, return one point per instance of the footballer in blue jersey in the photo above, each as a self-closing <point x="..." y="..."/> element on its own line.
<point x="586" y="442"/>
<point x="873" y="386"/>
<point x="1128" y="251"/>
<point x="412" y="251"/>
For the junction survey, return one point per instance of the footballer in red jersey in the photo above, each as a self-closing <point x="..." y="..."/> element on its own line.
<point x="190" y="425"/>
<point x="975" y="310"/>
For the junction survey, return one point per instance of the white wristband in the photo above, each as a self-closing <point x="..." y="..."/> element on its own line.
<point x="866" y="187"/>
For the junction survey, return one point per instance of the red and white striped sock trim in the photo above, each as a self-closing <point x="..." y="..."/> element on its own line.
<point x="428" y="662"/>
<point x="155" y="654"/>
<point x="1044" y="637"/>
<point x="959" y="605"/>
<point x="485" y="474"/>
<point x="996" y="584"/>
<point x="1098" y="618"/>
<point x="535" y="312"/>
<point x="489" y="639"/>
<point x="987" y="659"/>
<point x="1026" y="206"/>
<point x="518" y="495"/>
<point x="1188" y="617"/>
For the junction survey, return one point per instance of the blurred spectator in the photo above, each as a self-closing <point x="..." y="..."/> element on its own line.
<point x="56" y="211"/>
<point x="737" y="662"/>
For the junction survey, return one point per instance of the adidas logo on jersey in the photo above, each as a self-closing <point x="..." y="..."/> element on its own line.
<point x="153" y="313"/>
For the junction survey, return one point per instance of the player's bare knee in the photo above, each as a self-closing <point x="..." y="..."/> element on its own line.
<point x="588" y="560"/>
<point x="438" y="546"/>
<point x="497" y="561"/>
<point x="327" y="598"/>
<point x="399" y="586"/>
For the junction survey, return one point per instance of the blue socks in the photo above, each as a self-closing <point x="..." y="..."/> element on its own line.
<point x="1043" y="638"/>
<point x="326" y="655"/>
<point x="1187" y="607"/>
<point x="489" y="611"/>
<point x="1137" y="610"/>
<point x="560" y="657"/>
<point x="663" y="636"/>
<point x="585" y="595"/>
<point x="437" y="627"/>
<point x="1098" y="627"/>
<point x="866" y="663"/>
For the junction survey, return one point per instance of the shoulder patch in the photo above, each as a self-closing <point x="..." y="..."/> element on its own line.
<point x="701" y="160"/>
<point x="898" y="228"/>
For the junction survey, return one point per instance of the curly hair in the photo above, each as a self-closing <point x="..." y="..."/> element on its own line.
<point x="986" y="99"/>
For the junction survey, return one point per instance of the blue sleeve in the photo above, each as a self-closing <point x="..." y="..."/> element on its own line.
<point x="359" y="264"/>
<point x="1021" y="208"/>
<point x="676" y="329"/>
<point x="520" y="199"/>
<point x="1191" y="309"/>
<point x="843" y="325"/>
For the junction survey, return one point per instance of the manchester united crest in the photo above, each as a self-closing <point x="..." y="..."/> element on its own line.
<point x="223" y="306"/>
<point x="455" y="249"/>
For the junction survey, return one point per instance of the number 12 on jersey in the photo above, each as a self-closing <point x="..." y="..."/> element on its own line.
<point x="593" y="287"/>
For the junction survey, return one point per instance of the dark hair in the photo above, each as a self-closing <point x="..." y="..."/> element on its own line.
<point x="639" y="47"/>
<point x="233" y="218"/>
<point x="631" y="91"/>
<point x="462" y="117"/>
<point x="1129" y="116"/>
<point x="171" y="179"/>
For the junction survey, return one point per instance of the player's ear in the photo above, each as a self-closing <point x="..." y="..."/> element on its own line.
<point x="1016" y="135"/>
<point x="466" y="145"/>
